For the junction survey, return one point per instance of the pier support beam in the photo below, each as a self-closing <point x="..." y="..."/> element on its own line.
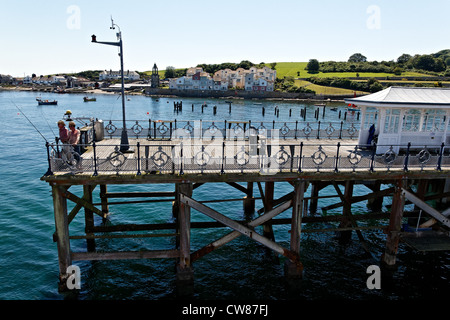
<point x="291" y="269"/>
<point x="395" y="222"/>
<point x="89" y="218"/>
<point x="347" y="210"/>
<point x="268" y="205"/>
<point x="375" y="203"/>
<point x="249" y="200"/>
<point x="185" y="272"/>
<point x="62" y="234"/>
<point x="104" y="199"/>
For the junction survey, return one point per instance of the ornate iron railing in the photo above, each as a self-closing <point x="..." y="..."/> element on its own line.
<point x="250" y="156"/>
<point x="172" y="129"/>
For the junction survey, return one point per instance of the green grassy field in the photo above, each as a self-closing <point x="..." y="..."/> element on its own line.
<point x="286" y="69"/>
<point x="291" y="69"/>
<point x="325" y="90"/>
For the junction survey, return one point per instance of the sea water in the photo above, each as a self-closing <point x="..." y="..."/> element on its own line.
<point x="241" y="269"/>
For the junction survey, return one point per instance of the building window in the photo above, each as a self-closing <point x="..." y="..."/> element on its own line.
<point x="370" y="117"/>
<point x="434" y="120"/>
<point x="411" y="120"/>
<point x="392" y="121"/>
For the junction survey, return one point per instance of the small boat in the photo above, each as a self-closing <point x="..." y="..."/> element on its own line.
<point x="46" y="102"/>
<point x="87" y="99"/>
<point x="334" y="109"/>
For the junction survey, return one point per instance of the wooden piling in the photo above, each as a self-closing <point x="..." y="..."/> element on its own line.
<point x="346" y="211"/>
<point x="291" y="269"/>
<point x="62" y="234"/>
<point x="184" y="269"/>
<point x="104" y="198"/>
<point x="268" y="205"/>
<point x="393" y="237"/>
<point x="249" y="200"/>
<point x="89" y="218"/>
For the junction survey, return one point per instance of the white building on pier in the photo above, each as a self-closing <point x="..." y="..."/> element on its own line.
<point x="405" y="114"/>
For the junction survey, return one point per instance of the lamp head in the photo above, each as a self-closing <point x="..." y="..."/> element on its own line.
<point x="94" y="38"/>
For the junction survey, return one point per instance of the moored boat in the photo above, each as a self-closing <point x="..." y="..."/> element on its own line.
<point x="46" y="102"/>
<point x="87" y="99"/>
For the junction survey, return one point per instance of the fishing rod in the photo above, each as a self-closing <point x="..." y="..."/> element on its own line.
<point x="48" y="123"/>
<point x="29" y="121"/>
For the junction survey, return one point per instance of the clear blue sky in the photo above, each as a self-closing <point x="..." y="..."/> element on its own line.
<point x="46" y="37"/>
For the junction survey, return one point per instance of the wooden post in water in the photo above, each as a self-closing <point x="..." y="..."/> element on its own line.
<point x="62" y="235"/>
<point x="395" y="223"/>
<point x="249" y="201"/>
<point x="347" y="211"/>
<point x="89" y="218"/>
<point x="269" y="187"/>
<point x="104" y="198"/>
<point x="184" y="269"/>
<point x="291" y="269"/>
<point x="314" y="197"/>
<point x="375" y="204"/>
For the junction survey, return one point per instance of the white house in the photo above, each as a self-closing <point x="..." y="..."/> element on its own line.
<point x="405" y="114"/>
<point x="195" y="79"/>
<point x="116" y="75"/>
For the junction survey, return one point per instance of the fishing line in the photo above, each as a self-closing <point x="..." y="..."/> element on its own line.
<point x="29" y="121"/>
<point x="43" y="116"/>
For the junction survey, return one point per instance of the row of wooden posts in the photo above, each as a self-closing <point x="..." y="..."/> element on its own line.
<point x="178" y="107"/>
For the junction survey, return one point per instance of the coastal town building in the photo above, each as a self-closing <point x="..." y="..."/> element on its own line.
<point x="154" y="79"/>
<point x="116" y="75"/>
<point x="195" y="79"/>
<point x="254" y="79"/>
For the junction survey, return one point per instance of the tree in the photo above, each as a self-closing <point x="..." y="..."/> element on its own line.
<point x="273" y="65"/>
<point x="170" y="72"/>
<point x="313" y="66"/>
<point x="404" y="58"/>
<point x="357" y="57"/>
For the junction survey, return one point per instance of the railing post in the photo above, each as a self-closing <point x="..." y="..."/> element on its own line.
<point x="225" y="129"/>
<point x="405" y="165"/>
<point x="181" y="160"/>
<point x="441" y="153"/>
<point x="318" y="131"/>
<point x="49" y="171"/>
<point x="149" y="135"/>
<point x="340" y="130"/>
<point x="337" y="157"/>
<point x="222" y="171"/>
<point x="138" y="158"/>
<point x="296" y="125"/>
<point x="373" y="156"/>
<point x="300" y="157"/>
<point x="95" y="158"/>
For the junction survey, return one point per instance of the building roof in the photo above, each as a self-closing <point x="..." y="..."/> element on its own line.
<point x="408" y="97"/>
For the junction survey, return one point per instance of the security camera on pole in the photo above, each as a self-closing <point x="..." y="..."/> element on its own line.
<point x="124" y="144"/>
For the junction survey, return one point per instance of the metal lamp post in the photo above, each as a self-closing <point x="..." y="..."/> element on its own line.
<point x="124" y="144"/>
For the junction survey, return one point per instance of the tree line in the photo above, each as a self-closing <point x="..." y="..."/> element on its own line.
<point x="437" y="64"/>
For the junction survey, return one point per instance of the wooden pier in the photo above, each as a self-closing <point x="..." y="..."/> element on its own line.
<point x="253" y="167"/>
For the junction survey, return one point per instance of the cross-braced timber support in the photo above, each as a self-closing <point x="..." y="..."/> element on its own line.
<point x="184" y="199"/>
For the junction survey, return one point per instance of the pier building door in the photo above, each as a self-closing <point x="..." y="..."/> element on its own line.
<point x="390" y="131"/>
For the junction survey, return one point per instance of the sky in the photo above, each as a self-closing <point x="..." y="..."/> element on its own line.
<point x="54" y="36"/>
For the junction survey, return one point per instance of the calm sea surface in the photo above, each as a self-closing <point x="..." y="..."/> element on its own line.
<point x="241" y="269"/>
